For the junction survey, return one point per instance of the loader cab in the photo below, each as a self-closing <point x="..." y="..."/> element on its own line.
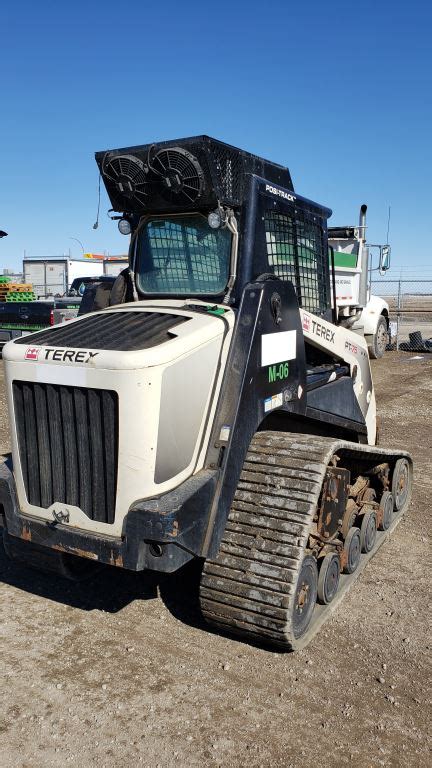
<point x="208" y="219"/>
<point x="183" y="255"/>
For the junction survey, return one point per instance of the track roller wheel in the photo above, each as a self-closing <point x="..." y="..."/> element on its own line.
<point x="328" y="580"/>
<point x="305" y="596"/>
<point x="368" y="531"/>
<point x="400" y="484"/>
<point x="386" y="510"/>
<point x="352" y="549"/>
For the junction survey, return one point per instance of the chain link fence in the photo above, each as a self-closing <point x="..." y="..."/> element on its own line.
<point x="410" y="313"/>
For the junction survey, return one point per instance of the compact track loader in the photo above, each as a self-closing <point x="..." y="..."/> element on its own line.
<point x="220" y="413"/>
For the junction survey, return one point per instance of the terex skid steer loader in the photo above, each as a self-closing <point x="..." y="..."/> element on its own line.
<point x="221" y="414"/>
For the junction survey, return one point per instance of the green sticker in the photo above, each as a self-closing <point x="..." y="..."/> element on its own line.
<point x="278" y="372"/>
<point x="216" y="310"/>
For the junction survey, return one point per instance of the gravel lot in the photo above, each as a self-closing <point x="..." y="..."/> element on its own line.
<point x="121" y="672"/>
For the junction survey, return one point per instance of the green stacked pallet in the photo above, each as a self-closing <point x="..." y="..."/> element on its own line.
<point x="16" y="296"/>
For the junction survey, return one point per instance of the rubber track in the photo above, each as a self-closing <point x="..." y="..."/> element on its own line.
<point x="249" y="587"/>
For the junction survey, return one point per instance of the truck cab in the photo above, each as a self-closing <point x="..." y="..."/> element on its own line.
<point x="357" y="309"/>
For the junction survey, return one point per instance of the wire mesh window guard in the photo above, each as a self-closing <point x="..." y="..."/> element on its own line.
<point x="182" y="255"/>
<point x="296" y="252"/>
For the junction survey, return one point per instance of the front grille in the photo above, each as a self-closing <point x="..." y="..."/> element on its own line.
<point x="68" y="445"/>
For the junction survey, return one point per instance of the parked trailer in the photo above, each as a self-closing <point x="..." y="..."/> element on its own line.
<point x="113" y="266"/>
<point x="54" y="276"/>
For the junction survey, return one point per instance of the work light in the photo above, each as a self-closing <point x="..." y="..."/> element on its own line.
<point x="214" y="219"/>
<point x="124" y="227"/>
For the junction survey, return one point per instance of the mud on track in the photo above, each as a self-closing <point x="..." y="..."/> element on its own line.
<point x="120" y="671"/>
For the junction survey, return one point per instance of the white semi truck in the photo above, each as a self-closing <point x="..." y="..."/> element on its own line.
<point x="357" y="308"/>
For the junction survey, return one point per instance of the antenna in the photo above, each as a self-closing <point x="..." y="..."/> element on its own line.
<point x="96" y="224"/>
<point x="388" y="224"/>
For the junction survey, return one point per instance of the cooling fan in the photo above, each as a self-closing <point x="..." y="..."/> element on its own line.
<point x="177" y="174"/>
<point x="129" y="176"/>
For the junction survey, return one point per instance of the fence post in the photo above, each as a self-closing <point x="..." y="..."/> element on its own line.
<point x="398" y="315"/>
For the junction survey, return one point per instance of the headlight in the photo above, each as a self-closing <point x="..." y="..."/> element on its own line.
<point x="214" y="219"/>
<point x="124" y="227"/>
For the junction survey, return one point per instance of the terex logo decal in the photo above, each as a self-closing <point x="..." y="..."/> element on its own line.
<point x="32" y="353"/>
<point x="306" y="323"/>
<point x="322" y="332"/>
<point x="61" y="355"/>
<point x="70" y="355"/>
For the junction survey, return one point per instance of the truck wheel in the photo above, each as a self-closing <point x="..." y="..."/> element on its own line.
<point x="379" y="340"/>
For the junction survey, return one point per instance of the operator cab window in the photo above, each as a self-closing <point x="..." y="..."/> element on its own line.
<point x="296" y="252"/>
<point x="182" y="255"/>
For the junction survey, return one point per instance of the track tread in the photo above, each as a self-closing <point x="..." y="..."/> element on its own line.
<point x="249" y="586"/>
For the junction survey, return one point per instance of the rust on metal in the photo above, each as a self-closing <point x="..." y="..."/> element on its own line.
<point x="333" y="499"/>
<point x="382" y="473"/>
<point x="350" y="514"/>
<point x="343" y="558"/>
<point x="366" y="495"/>
<point x="76" y="551"/>
<point x="26" y="533"/>
<point x="116" y="559"/>
<point x="359" y="485"/>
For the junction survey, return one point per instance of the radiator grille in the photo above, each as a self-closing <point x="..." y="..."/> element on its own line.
<point x="68" y="444"/>
<point x="122" y="331"/>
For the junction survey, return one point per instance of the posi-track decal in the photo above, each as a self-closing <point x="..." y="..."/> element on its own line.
<point x="280" y="193"/>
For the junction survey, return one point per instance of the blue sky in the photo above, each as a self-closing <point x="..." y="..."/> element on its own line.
<point x="340" y="92"/>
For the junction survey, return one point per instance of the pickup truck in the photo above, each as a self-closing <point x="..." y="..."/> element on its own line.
<point x="23" y="317"/>
<point x="87" y="294"/>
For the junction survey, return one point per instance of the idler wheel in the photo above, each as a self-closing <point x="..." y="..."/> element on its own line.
<point x="386" y="510"/>
<point x="328" y="580"/>
<point x="368" y="531"/>
<point x="400" y="484"/>
<point x="352" y="548"/>
<point x="305" y="596"/>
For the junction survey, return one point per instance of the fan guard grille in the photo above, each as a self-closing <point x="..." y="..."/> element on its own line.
<point x="129" y="176"/>
<point x="178" y="173"/>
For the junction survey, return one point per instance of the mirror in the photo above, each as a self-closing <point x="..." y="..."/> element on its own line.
<point x="384" y="262"/>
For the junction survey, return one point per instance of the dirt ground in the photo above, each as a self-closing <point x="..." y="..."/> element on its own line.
<point x="120" y="671"/>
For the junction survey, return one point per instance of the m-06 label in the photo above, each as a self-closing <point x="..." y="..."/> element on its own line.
<point x="278" y="372"/>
